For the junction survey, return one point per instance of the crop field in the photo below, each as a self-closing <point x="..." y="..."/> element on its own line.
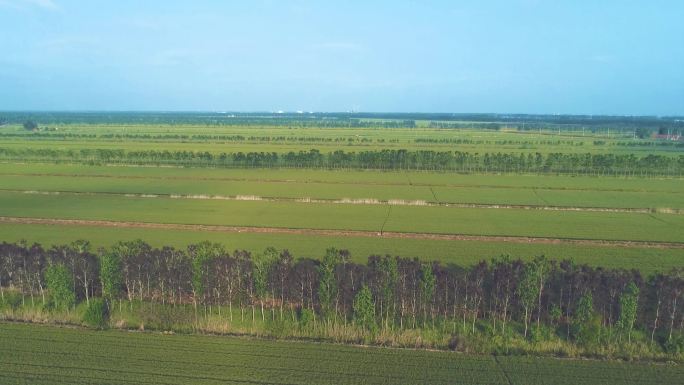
<point x="235" y="193"/>
<point x="364" y="177"/>
<point x="217" y="147"/>
<point x="466" y="252"/>
<point x="339" y="185"/>
<point x="622" y="222"/>
<point x="49" y="355"/>
<point x="284" y="139"/>
<point x="247" y="130"/>
<point x="612" y="219"/>
<point x="373" y="218"/>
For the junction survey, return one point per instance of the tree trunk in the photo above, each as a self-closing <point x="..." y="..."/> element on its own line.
<point x="672" y="317"/>
<point x="194" y="303"/>
<point x="505" y="316"/>
<point x="282" y="297"/>
<point x="655" y="321"/>
<point x="413" y="309"/>
<point x="539" y="307"/>
<point x="42" y="291"/>
<point x="401" y="316"/>
<point x="85" y="286"/>
<point x="474" y="318"/>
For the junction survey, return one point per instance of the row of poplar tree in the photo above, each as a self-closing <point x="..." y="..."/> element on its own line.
<point x="386" y="292"/>
<point x="567" y="163"/>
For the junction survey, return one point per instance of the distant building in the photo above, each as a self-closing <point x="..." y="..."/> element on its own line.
<point x="674" y="137"/>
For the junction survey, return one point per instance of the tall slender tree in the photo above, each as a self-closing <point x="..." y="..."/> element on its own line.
<point x="111" y="279"/>
<point x="364" y="309"/>
<point x="427" y="288"/>
<point x="327" y="283"/>
<point x="58" y="282"/>
<point x="628" y="309"/>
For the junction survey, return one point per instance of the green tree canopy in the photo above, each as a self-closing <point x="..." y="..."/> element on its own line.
<point x="30" y="125"/>
<point x="327" y="287"/>
<point x="364" y="309"/>
<point x="628" y="309"/>
<point x="110" y="275"/>
<point x="58" y="282"/>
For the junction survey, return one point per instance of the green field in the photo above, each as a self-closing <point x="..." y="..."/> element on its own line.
<point x="593" y="208"/>
<point x="338" y="193"/>
<point x="648" y="260"/>
<point x="110" y="184"/>
<point x="364" y="177"/>
<point x="49" y="355"/>
<point x="328" y="139"/>
<point x="440" y="220"/>
<point x="228" y="147"/>
<point x="458" y="189"/>
<point x="608" y="221"/>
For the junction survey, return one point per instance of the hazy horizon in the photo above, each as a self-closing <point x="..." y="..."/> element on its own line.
<point x="501" y="57"/>
<point x="299" y="112"/>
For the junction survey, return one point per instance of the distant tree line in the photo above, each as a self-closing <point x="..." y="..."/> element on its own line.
<point x="469" y="125"/>
<point x="196" y="137"/>
<point x="30" y="125"/>
<point x="54" y="134"/>
<point x="580" y="303"/>
<point x="502" y="142"/>
<point x="353" y="119"/>
<point x="650" y="143"/>
<point x="466" y="162"/>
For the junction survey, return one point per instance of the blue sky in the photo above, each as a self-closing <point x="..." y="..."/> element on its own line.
<point x="517" y="56"/>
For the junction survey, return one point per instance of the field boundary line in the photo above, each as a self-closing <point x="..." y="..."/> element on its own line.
<point x="331" y="182"/>
<point x="359" y="201"/>
<point x="340" y="233"/>
<point x="505" y="373"/>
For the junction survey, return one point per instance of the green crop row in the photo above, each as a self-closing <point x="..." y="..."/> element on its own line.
<point x="367" y="138"/>
<point x="374" y="218"/>
<point x="354" y="177"/>
<point x="647" y="260"/>
<point x="49" y="355"/>
<point x="341" y="191"/>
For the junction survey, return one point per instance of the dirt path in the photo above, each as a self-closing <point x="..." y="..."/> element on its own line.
<point x="357" y="201"/>
<point x="340" y="233"/>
